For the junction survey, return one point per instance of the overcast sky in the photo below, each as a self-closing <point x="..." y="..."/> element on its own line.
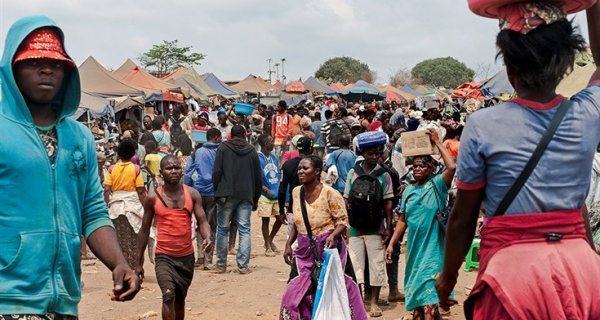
<point x="238" y="36"/>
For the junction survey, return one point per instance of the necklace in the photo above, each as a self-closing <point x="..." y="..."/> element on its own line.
<point x="46" y="128"/>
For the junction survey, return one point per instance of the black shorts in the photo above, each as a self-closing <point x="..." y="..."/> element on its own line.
<point x="174" y="275"/>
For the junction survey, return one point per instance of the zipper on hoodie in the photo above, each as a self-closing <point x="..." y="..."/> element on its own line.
<point x="54" y="300"/>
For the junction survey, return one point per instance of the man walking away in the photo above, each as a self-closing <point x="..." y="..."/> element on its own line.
<point x="237" y="180"/>
<point x="201" y="165"/>
<point x="173" y="206"/>
<point x="289" y="175"/>
<point x="343" y="159"/>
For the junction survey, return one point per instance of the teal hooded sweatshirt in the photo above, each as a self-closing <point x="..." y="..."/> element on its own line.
<point x="45" y="207"/>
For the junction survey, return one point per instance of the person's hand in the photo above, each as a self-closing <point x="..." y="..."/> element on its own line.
<point x="444" y="286"/>
<point x="126" y="283"/>
<point x="287" y="254"/>
<point x="388" y="254"/>
<point x="207" y="245"/>
<point x="433" y="136"/>
<point x="329" y="241"/>
<point x="283" y="219"/>
<point x="267" y="191"/>
<point x="139" y="271"/>
<point x="255" y="207"/>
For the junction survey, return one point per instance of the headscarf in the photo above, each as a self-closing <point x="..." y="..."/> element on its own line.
<point x="524" y="17"/>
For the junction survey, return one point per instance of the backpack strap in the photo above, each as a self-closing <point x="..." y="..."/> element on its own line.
<point x="359" y="170"/>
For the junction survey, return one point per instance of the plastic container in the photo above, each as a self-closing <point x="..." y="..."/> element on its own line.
<point x="199" y="136"/>
<point x="489" y="8"/>
<point x="243" y="108"/>
<point x="371" y="139"/>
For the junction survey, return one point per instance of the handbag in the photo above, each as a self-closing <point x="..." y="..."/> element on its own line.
<point x="315" y="271"/>
<point x="443" y="214"/>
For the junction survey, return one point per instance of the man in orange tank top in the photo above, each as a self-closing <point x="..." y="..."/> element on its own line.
<point x="173" y="205"/>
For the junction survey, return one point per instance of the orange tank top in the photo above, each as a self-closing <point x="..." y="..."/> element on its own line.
<point x="174" y="226"/>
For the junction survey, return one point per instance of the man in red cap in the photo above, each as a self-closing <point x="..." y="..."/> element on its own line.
<point x="41" y="231"/>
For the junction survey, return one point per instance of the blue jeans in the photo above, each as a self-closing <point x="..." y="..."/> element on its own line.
<point x="240" y="210"/>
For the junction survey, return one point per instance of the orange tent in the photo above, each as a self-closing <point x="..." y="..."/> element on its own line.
<point x="277" y="85"/>
<point x="391" y="96"/>
<point x="295" y="87"/>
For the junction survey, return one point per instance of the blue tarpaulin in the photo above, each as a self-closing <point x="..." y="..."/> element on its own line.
<point x="313" y="85"/>
<point x="218" y="85"/>
<point x="497" y="85"/>
<point x="406" y="88"/>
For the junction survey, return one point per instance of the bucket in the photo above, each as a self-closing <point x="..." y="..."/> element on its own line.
<point x="199" y="136"/>
<point x="243" y="108"/>
<point x="489" y="8"/>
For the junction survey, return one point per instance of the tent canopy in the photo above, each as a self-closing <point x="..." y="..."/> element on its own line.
<point x="96" y="80"/>
<point x="96" y="106"/>
<point x="219" y="86"/>
<point x="193" y="80"/>
<point x="576" y="80"/>
<point x="251" y="84"/>
<point x="497" y="85"/>
<point x="295" y="87"/>
<point x="312" y="84"/>
<point x="401" y="94"/>
<point x="406" y="88"/>
<point x="363" y="91"/>
<point x="140" y="78"/>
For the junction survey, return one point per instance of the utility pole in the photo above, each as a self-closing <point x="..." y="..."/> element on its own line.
<point x="282" y="71"/>
<point x="270" y="72"/>
<point x="277" y="70"/>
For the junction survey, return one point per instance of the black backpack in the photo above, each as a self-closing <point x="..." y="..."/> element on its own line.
<point x="175" y="130"/>
<point x="366" y="200"/>
<point x="335" y="133"/>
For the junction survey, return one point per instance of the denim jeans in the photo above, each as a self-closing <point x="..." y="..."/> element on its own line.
<point x="210" y="209"/>
<point x="240" y="210"/>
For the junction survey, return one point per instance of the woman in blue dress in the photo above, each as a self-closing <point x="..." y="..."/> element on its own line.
<point x="418" y="208"/>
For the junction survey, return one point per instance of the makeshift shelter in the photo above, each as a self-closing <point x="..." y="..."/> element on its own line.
<point x="312" y="84"/>
<point x="93" y="106"/>
<point x="251" y="84"/>
<point x="218" y="86"/>
<point x="140" y="78"/>
<point x="277" y="85"/>
<point x="336" y="86"/>
<point x="392" y="96"/>
<point x="401" y="94"/>
<point x="188" y="77"/>
<point x="295" y="87"/>
<point x="576" y="80"/>
<point x="362" y="91"/>
<point x="406" y="88"/>
<point x="497" y="85"/>
<point x="98" y="81"/>
<point x="122" y="103"/>
<point x="469" y="90"/>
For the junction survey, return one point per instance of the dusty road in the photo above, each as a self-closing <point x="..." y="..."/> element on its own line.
<point x="221" y="296"/>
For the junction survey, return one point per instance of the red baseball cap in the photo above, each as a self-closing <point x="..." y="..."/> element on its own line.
<point x="43" y="43"/>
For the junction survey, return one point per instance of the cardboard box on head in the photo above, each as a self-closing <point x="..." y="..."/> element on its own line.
<point x="416" y="143"/>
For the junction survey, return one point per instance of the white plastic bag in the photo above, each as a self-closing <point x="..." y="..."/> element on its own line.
<point x="331" y="297"/>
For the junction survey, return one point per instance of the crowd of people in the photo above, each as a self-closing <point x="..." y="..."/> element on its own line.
<point x="333" y="171"/>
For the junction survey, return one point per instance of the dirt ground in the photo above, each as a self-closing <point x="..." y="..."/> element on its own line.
<point x="256" y="295"/>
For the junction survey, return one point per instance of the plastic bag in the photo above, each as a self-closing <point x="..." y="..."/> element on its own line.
<point x="331" y="298"/>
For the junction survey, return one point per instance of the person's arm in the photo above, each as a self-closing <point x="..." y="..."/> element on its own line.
<point x="258" y="177"/>
<point x="448" y="174"/>
<point x="200" y="215"/>
<point x="273" y="129"/>
<point x="398" y="233"/>
<point x="387" y="209"/>
<point x="459" y="235"/>
<point x="287" y="253"/>
<point x="588" y="229"/>
<point x="105" y="246"/>
<point x="339" y="230"/>
<point x="593" y="20"/>
<point x="143" y="234"/>
<point x="217" y="168"/>
<point x="107" y="190"/>
<point x="283" y="186"/>
<point x="141" y="191"/>
<point x="189" y="171"/>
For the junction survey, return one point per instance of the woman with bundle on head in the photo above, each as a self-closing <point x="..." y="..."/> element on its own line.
<point x="531" y="160"/>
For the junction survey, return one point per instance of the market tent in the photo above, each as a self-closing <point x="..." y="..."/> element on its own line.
<point x="290" y="99"/>
<point x="251" y="84"/>
<point x="406" y="88"/>
<point x="392" y="96"/>
<point x="497" y="85"/>
<point x="140" y="78"/>
<point x="362" y="91"/>
<point x="219" y="86"/>
<point x="312" y="84"/>
<point x="401" y="94"/>
<point x="122" y="103"/>
<point x="277" y="85"/>
<point x="576" y="80"/>
<point x="193" y="80"/>
<point x="95" y="106"/>
<point x="295" y="87"/>
<point x="96" y="80"/>
<point x="336" y="86"/>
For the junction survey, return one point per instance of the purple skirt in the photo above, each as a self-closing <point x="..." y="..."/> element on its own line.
<point x="297" y="301"/>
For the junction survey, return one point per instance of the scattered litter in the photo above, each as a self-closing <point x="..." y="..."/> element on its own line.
<point x="259" y="314"/>
<point x="148" y="315"/>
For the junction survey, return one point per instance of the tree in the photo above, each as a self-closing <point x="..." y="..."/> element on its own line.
<point x="446" y="72"/>
<point x="166" y="57"/>
<point x="345" y="70"/>
<point x="401" y="77"/>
